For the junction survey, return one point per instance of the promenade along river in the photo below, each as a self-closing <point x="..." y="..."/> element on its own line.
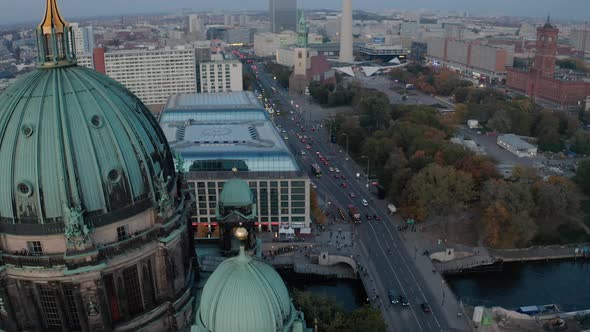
<point x="566" y="283"/>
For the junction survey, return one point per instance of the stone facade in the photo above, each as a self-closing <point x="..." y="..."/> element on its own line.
<point x="119" y="282"/>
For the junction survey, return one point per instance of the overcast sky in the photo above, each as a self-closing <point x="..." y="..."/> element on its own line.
<point x="31" y="10"/>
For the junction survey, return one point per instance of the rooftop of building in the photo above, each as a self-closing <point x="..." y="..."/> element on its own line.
<point x="515" y="142"/>
<point x="222" y="131"/>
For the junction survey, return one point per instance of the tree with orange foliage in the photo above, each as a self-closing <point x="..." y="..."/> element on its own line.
<point x="480" y="167"/>
<point x="316" y="212"/>
<point x="495" y="219"/>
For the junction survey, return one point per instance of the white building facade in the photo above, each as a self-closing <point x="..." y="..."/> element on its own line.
<point x="153" y="76"/>
<point x="221" y="76"/>
<point x="83" y="38"/>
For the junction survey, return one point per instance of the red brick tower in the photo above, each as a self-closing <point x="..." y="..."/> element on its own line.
<point x="544" y="62"/>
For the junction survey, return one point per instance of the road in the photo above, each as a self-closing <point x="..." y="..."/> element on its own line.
<point x="391" y="262"/>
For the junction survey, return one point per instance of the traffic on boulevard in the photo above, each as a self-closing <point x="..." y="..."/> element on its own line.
<point x="392" y="274"/>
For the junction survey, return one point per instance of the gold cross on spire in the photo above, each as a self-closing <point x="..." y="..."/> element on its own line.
<point x="52" y="19"/>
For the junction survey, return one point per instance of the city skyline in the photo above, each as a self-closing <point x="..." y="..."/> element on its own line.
<point x="11" y="12"/>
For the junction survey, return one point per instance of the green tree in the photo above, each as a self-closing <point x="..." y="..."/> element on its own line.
<point x="366" y="319"/>
<point x="582" y="177"/>
<point x="547" y="130"/>
<point x="581" y="142"/>
<point x="375" y="112"/>
<point x="439" y="191"/>
<point x="519" y="227"/>
<point x="556" y="197"/>
<point x="332" y="318"/>
<point x="516" y="196"/>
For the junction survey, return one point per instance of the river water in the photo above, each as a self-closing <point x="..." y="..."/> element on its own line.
<point x="348" y="294"/>
<point x="565" y="283"/>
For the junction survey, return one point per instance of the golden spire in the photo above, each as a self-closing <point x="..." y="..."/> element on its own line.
<point x="52" y="19"/>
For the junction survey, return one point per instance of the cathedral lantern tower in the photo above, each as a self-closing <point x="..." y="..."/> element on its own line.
<point x="544" y="62"/>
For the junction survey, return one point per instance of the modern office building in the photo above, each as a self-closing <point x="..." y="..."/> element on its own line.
<point x="93" y="216"/>
<point x="580" y="39"/>
<point x="267" y="44"/>
<point x="471" y="59"/>
<point x="332" y="26"/>
<point x="153" y="76"/>
<point x="218" y="132"/>
<point x="283" y="15"/>
<point x="83" y="38"/>
<point x="238" y="36"/>
<point x="454" y="30"/>
<point x="221" y="76"/>
<point x="409" y="29"/>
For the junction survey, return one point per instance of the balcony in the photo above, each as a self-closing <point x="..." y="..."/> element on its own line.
<point x="133" y="242"/>
<point x="33" y="261"/>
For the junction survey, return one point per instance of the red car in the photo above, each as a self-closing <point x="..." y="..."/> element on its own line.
<point x="308" y="147"/>
<point x="336" y="176"/>
<point x="326" y="163"/>
<point x="344" y="177"/>
<point x="377" y="217"/>
<point x="369" y="217"/>
<point x="343" y="185"/>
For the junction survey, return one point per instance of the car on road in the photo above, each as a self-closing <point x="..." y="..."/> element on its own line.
<point x="343" y="177"/>
<point x="326" y="163"/>
<point x="377" y="217"/>
<point x="393" y="297"/>
<point x="343" y="185"/>
<point x="331" y="169"/>
<point x="403" y="301"/>
<point x="308" y="147"/>
<point x="286" y="137"/>
<point x="302" y="153"/>
<point x="336" y="176"/>
<point x="368" y="216"/>
<point x="337" y="170"/>
<point x="364" y="202"/>
<point x="314" y="186"/>
<point x="284" y="131"/>
<point x="351" y="195"/>
<point x="425" y="307"/>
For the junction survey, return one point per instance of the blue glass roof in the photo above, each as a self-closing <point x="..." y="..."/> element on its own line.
<point x="213" y="134"/>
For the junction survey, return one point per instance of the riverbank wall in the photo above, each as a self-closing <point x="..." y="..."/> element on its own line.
<point x="488" y="260"/>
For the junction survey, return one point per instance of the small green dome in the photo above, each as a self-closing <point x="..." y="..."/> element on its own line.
<point x="236" y="192"/>
<point x="247" y="295"/>
<point x="72" y="137"/>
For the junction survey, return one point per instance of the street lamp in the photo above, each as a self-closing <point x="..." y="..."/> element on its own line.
<point x="345" y="134"/>
<point x="368" y="169"/>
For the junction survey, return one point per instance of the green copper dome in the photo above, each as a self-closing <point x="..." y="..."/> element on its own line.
<point x="236" y="192"/>
<point x="247" y="295"/>
<point x="74" y="138"/>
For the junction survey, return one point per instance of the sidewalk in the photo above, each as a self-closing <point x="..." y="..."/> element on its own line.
<point x="447" y="301"/>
